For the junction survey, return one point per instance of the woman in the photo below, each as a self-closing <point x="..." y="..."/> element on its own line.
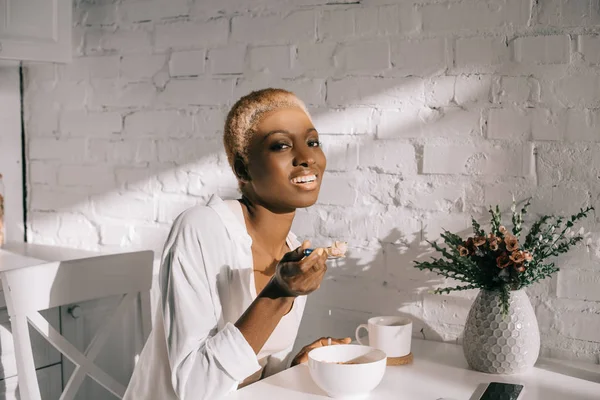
<point x="232" y="289"/>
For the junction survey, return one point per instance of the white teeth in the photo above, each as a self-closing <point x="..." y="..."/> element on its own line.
<point x="304" y="179"/>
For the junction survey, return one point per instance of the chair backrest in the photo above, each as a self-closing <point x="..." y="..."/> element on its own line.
<point x="31" y="289"/>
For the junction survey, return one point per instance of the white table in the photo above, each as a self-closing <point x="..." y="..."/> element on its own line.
<point x="15" y="255"/>
<point x="440" y="371"/>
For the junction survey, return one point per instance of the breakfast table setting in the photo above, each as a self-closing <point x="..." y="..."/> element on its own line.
<point x="438" y="371"/>
<point x="496" y="358"/>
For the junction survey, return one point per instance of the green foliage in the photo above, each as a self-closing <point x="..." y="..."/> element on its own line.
<point x="497" y="261"/>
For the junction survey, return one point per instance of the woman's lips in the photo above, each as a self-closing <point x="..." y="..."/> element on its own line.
<point x="304" y="179"/>
<point x="305" y="182"/>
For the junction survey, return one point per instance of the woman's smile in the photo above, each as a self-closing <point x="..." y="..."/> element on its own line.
<point x="306" y="181"/>
<point x="286" y="161"/>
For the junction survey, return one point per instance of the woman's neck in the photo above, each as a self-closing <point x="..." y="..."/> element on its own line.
<point x="266" y="227"/>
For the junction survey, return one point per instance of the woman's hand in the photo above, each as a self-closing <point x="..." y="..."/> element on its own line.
<point x="298" y="275"/>
<point x="303" y="354"/>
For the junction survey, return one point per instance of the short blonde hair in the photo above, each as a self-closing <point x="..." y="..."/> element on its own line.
<point x="245" y="114"/>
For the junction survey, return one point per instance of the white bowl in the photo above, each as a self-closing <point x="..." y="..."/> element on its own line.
<point x="347" y="381"/>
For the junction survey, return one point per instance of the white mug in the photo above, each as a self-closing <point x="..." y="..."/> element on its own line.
<point x="390" y="334"/>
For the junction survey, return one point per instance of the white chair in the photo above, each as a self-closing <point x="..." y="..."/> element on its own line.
<point x="47" y="285"/>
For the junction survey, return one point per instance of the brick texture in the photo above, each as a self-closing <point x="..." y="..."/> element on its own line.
<point x="428" y="111"/>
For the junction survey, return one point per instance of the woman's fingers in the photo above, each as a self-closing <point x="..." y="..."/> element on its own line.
<point x="296" y="254"/>
<point x="302" y="356"/>
<point x="318" y="277"/>
<point x="322" y="263"/>
<point x="299" y="274"/>
<point x="298" y="359"/>
<point x="331" y="341"/>
<point x="316" y="260"/>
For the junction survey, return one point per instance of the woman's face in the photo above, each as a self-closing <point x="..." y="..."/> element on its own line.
<point x="285" y="160"/>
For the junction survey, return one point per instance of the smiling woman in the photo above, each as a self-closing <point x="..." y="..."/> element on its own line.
<point x="233" y="290"/>
<point x="271" y="142"/>
<point x="290" y="160"/>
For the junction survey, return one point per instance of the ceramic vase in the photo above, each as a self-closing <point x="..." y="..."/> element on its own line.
<point x="501" y="344"/>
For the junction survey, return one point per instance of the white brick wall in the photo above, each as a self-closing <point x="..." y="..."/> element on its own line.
<point x="589" y="46"/>
<point x="419" y="57"/>
<point x="480" y="53"/>
<point x="271" y="59"/>
<point x="363" y="56"/>
<point x="138" y="67"/>
<point x="11" y="166"/>
<point x="227" y="60"/>
<point x="542" y="49"/>
<point x="429" y="111"/>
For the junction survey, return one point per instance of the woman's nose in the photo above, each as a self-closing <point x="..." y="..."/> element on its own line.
<point x="303" y="157"/>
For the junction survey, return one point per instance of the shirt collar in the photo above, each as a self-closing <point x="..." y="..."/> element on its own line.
<point x="231" y="222"/>
<point x="235" y="227"/>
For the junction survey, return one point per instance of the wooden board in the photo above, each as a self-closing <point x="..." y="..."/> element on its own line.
<point x="404" y="360"/>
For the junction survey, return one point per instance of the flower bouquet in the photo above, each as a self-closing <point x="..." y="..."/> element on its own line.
<point x="501" y="333"/>
<point x="500" y="260"/>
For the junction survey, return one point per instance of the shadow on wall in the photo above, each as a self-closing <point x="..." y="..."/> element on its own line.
<point x="94" y="211"/>
<point x="124" y="192"/>
<point x="110" y="174"/>
<point x="123" y="188"/>
<point x="357" y="288"/>
<point x="147" y="178"/>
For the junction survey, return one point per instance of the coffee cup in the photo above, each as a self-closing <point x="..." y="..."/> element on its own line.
<point x="391" y="334"/>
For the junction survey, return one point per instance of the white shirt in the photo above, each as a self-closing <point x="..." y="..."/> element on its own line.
<point x="206" y="282"/>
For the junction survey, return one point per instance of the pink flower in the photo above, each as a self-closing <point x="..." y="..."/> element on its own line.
<point x="517" y="257"/>
<point x="503" y="261"/>
<point x="479" y="241"/>
<point x="512" y="243"/>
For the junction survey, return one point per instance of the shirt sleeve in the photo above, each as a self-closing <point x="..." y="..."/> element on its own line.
<point x="206" y="363"/>
<point x="278" y="362"/>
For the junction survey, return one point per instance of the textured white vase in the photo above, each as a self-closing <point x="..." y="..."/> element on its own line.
<point x="501" y="344"/>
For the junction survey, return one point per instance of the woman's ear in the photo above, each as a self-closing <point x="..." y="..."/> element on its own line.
<point x="241" y="170"/>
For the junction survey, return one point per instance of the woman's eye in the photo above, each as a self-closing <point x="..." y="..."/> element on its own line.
<point x="280" y="146"/>
<point x="314" y="143"/>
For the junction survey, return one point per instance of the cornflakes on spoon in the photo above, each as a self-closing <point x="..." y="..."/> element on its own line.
<point x="337" y="250"/>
